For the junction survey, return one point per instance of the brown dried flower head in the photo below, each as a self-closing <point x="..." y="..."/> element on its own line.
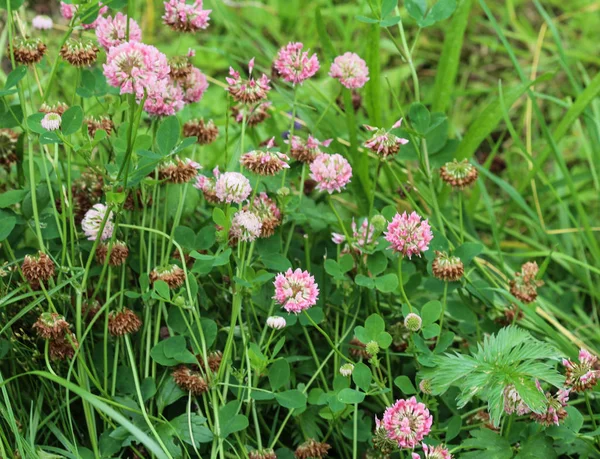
<point x="358" y="349"/>
<point x="37" y="268"/>
<point x="206" y="133"/>
<point x="312" y="449"/>
<point x="262" y="454"/>
<point x="459" y="174"/>
<point x="173" y="275"/>
<point x="124" y="322"/>
<point x="190" y="381"/>
<point x="79" y="53"/>
<point x="59" y="108"/>
<point x="64" y="347"/>
<point x="214" y="361"/>
<point x="118" y="253"/>
<point x="181" y="67"/>
<point x="8" y="147"/>
<point x="178" y="171"/>
<point x="264" y="162"/>
<point x="255" y="114"/>
<point x="94" y="124"/>
<point x="51" y="325"/>
<point x="524" y="285"/>
<point x="28" y="51"/>
<point x="447" y="268"/>
<point x="267" y="211"/>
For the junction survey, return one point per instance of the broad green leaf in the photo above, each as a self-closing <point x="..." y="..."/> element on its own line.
<point x="185" y="237"/>
<point x="291" y="399"/>
<point x="453" y="428"/>
<point x="275" y="262"/>
<point x="167" y="135"/>
<point x="200" y="433"/>
<point x="279" y="374"/>
<point x="168" y="393"/>
<point x="349" y="396"/>
<point x="364" y="281"/>
<point x="15" y="76"/>
<point x="6" y="226"/>
<point x="419" y="117"/>
<point x="72" y="120"/>
<point x="387" y="283"/>
<point x="430" y="312"/>
<point x="362" y="376"/>
<point x="468" y="251"/>
<point x="405" y="385"/>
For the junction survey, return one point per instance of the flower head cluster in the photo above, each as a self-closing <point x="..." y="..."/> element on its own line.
<point x="42" y="22"/>
<point x="28" y="51"/>
<point x="555" y="411"/>
<point x="54" y="327"/>
<point x="459" y="174"/>
<point x="331" y="172"/>
<point x="112" y="31"/>
<point x="447" y="268"/>
<point x="184" y="17"/>
<point x="264" y="162"/>
<point x="408" y="234"/>
<point x="208" y="185"/>
<point x="117" y="253"/>
<point x="124" y="322"/>
<point x="350" y="69"/>
<point x="189" y="380"/>
<point x="434" y="452"/>
<point x="172" y="275"/>
<point x="312" y="449"/>
<point x="266" y="209"/>
<point x="245" y="226"/>
<point x="513" y="403"/>
<point x="295" y="65"/>
<point x="413" y="322"/>
<point x="306" y="150"/>
<point x="407" y="422"/>
<point x="383" y="142"/>
<point x="79" y="53"/>
<point x="254" y="113"/>
<point x="247" y="91"/>
<point x="194" y="85"/>
<point x="135" y="67"/>
<point x="524" y="285"/>
<point x="92" y="223"/>
<point x="362" y="236"/>
<point x="94" y="124"/>
<point x="51" y="121"/>
<point x="232" y="187"/>
<point x="37" y="269"/>
<point x="164" y="99"/>
<point x="296" y="291"/>
<point x="205" y="132"/>
<point x="583" y="375"/>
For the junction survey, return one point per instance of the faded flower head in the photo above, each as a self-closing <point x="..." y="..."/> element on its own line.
<point x="79" y="53"/>
<point x="184" y="17"/>
<point x="112" y="31"/>
<point x="247" y="91"/>
<point x="555" y="411"/>
<point x="413" y="322"/>
<point x="407" y="422"/>
<point x="408" y="234"/>
<point x="124" y="322"/>
<point x="267" y="211"/>
<point x="331" y="172"/>
<point x="433" y="452"/>
<point x="51" y="121"/>
<point x="232" y="187"/>
<point x="245" y="226"/>
<point x="42" y="22"/>
<point x="118" y="253"/>
<point x="63" y="347"/>
<point x="51" y="325"/>
<point x="267" y="453"/>
<point x="172" y="275"/>
<point x="28" y="51"/>
<point x="208" y="185"/>
<point x="59" y="108"/>
<point x="276" y="322"/>
<point x="383" y="142"/>
<point x="254" y="113"/>
<point x="94" y="124"/>
<point x="583" y="375"/>
<point x="134" y="67"/>
<point x="92" y="223"/>
<point x="513" y="403"/>
<point x="177" y="170"/>
<point x="265" y="162"/>
<point x="459" y="174"/>
<point x="425" y="386"/>
<point x="524" y="285"/>
<point x="296" y="291"/>
<point x="205" y="132"/>
<point x="312" y="449"/>
<point x="447" y="268"/>
<point x="306" y="150"/>
<point x="189" y="380"/>
<point x="350" y="70"/>
<point x="295" y="65"/>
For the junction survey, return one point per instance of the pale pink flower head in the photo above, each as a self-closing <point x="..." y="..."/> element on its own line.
<point x="232" y="187"/>
<point x="250" y="90"/>
<point x="245" y="226"/>
<point x="92" y="222"/>
<point x="513" y="403"/>
<point x="583" y="375"/>
<point x="265" y="162"/>
<point x="51" y="121"/>
<point x="208" y="186"/>
<point x="194" y="85"/>
<point x="276" y="322"/>
<point x="295" y="65"/>
<point x="135" y="67"/>
<point x="433" y="452"/>
<point x="408" y="234"/>
<point x="331" y="172"/>
<point x="164" y="99"/>
<point x="42" y="22"/>
<point x="350" y="70"/>
<point x="555" y="411"/>
<point x="296" y="291"/>
<point x="67" y="10"/>
<point x="383" y="142"/>
<point x="113" y="31"/>
<point x="184" y="17"/>
<point x="362" y="236"/>
<point x="407" y="422"/>
<point x="266" y="209"/>
<point x="306" y="150"/>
